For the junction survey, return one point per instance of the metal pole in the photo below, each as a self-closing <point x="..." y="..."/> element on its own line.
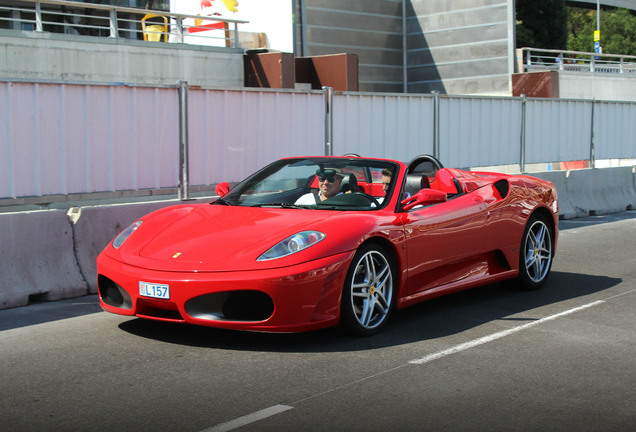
<point x="405" y="76"/>
<point x="39" y="27"/>
<point x="294" y="29"/>
<point x="522" y="150"/>
<point x="328" y="120"/>
<point x="303" y="28"/>
<point x="184" y="186"/>
<point x="598" y="16"/>
<point x="592" y="155"/>
<point x="436" y="149"/>
<point x="113" y="24"/>
<point x="179" y="26"/>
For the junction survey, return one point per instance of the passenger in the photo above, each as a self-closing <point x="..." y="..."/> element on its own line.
<point x="329" y="186"/>
<point x="387" y="175"/>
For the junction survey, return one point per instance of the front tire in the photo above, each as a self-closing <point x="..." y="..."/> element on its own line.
<point x="535" y="257"/>
<point x="367" y="296"/>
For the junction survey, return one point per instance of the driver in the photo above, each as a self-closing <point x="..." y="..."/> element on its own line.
<point x="329" y="186"/>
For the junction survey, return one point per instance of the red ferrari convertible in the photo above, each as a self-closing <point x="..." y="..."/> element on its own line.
<point x="312" y="242"/>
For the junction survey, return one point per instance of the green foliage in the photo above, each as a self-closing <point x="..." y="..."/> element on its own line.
<point x="542" y="24"/>
<point x="618" y="31"/>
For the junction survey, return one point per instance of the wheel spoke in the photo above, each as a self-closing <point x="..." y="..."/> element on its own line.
<point x="371" y="289"/>
<point x="538" y="252"/>
<point x="381" y="302"/>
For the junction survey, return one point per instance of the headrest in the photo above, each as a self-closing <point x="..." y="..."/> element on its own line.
<point x="349" y="183"/>
<point x="415" y="183"/>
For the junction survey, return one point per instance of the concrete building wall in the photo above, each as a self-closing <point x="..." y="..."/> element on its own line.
<point x="56" y="57"/>
<point x="460" y="47"/>
<point x="372" y="29"/>
<point x="416" y="46"/>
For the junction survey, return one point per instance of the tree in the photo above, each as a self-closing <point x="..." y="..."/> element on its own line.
<point x="542" y="24"/>
<point x="618" y="31"/>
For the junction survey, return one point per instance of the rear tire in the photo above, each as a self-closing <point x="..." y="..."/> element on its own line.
<point x="368" y="292"/>
<point x="535" y="255"/>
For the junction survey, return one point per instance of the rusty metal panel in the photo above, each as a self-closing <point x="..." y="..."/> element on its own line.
<point x="536" y="84"/>
<point x="383" y="125"/>
<point x="235" y="132"/>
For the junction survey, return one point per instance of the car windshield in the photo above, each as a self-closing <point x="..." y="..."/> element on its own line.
<point x="317" y="183"/>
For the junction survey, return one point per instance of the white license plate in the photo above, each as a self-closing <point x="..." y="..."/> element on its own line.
<point x="148" y="289"/>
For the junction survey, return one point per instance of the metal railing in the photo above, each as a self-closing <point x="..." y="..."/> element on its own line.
<point x="535" y="59"/>
<point x="90" y="19"/>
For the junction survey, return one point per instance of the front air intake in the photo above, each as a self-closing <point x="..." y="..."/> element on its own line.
<point x="247" y="305"/>
<point x="113" y="294"/>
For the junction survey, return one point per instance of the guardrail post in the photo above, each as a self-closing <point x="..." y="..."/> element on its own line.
<point x="184" y="185"/>
<point x="38" y="18"/>
<point x="179" y="26"/>
<point x="328" y="120"/>
<point x="113" y="24"/>
<point x="592" y="156"/>
<point x="436" y="116"/>
<point x="522" y="146"/>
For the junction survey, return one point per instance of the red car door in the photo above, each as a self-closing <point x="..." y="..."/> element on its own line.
<point x="445" y="242"/>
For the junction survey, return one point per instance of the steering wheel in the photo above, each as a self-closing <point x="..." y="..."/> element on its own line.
<point x="369" y="197"/>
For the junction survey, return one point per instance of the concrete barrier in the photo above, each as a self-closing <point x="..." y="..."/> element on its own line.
<point x="96" y="226"/>
<point x="600" y="191"/>
<point x="588" y="192"/>
<point x="38" y="262"/>
<point x="51" y="254"/>
<point x="566" y="209"/>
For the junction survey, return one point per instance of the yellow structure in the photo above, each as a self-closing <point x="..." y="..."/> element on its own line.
<point x="154" y="30"/>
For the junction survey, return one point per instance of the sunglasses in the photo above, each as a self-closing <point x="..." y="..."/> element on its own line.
<point x="328" y="174"/>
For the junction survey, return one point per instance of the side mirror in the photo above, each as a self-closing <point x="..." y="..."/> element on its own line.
<point x="424" y="197"/>
<point x="222" y="189"/>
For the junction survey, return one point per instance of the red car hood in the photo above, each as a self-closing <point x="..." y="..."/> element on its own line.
<point x="205" y="237"/>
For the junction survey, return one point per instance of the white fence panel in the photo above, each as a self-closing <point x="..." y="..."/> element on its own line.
<point x="385" y="126"/>
<point x="62" y="139"/>
<point x="558" y="130"/>
<point x="479" y="131"/>
<point x="614" y="130"/>
<point x="58" y="139"/>
<point x="233" y="133"/>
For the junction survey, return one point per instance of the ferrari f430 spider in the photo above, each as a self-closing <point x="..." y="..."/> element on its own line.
<point x="313" y="242"/>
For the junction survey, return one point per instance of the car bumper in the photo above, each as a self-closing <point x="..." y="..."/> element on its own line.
<point x="291" y="299"/>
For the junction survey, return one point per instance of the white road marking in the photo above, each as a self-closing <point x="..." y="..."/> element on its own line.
<point x="277" y="409"/>
<point x="247" y="419"/>
<point x="494" y="336"/>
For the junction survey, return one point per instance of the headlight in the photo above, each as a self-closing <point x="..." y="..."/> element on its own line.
<point x="121" y="238"/>
<point x="293" y="244"/>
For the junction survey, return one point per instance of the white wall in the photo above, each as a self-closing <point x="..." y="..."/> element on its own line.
<point x="67" y="58"/>
<point x="582" y="85"/>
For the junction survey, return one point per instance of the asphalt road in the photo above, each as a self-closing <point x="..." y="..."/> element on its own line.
<point x="491" y="359"/>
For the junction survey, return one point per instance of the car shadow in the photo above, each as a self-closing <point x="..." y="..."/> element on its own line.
<point x="428" y="320"/>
